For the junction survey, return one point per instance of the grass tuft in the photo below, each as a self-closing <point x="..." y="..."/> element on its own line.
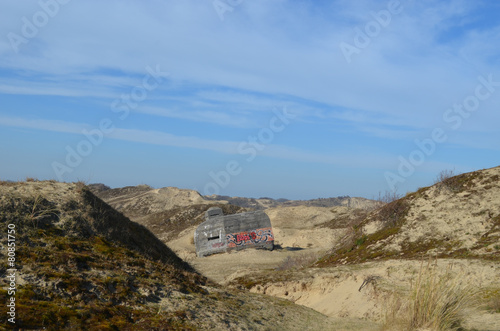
<point x="435" y="302"/>
<point x="297" y="262"/>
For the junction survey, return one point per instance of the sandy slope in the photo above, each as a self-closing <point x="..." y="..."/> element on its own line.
<point x="143" y="200"/>
<point x="450" y="218"/>
<point x="335" y="291"/>
<point x="301" y="226"/>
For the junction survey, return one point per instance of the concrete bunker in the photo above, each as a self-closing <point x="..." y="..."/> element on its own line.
<point x="222" y="233"/>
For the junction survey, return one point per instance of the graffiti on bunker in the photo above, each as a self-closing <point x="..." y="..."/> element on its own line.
<point x="250" y="237"/>
<point x="222" y="233"/>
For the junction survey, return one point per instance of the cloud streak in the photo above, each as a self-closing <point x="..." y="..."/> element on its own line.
<point x="220" y="146"/>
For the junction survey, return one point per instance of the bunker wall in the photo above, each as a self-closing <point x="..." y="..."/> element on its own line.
<point x="221" y="233"/>
<point x="252" y="229"/>
<point x="210" y="237"/>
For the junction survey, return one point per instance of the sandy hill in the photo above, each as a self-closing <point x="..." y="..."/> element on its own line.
<point x="83" y="265"/>
<point x="265" y="203"/>
<point x="144" y="200"/>
<point x="458" y="217"/>
<point x="77" y="212"/>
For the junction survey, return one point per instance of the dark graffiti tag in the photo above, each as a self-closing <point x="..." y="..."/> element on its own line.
<point x="250" y="237"/>
<point x="232" y="240"/>
<point x="265" y="234"/>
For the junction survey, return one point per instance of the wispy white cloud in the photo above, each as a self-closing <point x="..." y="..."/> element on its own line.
<point x="43" y="89"/>
<point x="167" y="139"/>
<point x="385" y="79"/>
<point x="42" y="124"/>
<point x="220" y="146"/>
<point x="201" y="115"/>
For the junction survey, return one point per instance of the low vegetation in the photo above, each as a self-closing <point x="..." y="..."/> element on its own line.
<point x="435" y="301"/>
<point x="447" y="179"/>
<point x="81" y="265"/>
<point x="389" y="196"/>
<point x="359" y="245"/>
<point x="354" y="247"/>
<point x="80" y="272"/>
<point x="297" y="262"/>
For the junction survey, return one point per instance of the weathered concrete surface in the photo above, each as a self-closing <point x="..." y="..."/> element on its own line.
<point x="221" y="233"/>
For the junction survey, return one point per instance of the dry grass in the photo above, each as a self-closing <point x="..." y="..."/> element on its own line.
<point x="457" y="183"/>
<point x="444" y="176"/>
<point x="435" y="302"/>
<point x="393" y="214"/>
<point x="297" y="262"/>
<point x="355" y="246"/>
<point x="41" y="209"/>
<point x="389" y="196"/>
<point x="494" y="304"/>
<point x="347" y="241"/>
<point x="347" y="220"/>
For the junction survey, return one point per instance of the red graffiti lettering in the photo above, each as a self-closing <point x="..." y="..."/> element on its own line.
<point x="242" y="237"/>
<point x="217" y="245"/>
<point x="250" y="238"/>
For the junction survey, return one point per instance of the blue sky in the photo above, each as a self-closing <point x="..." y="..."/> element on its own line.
<point x="292" y="99"/>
